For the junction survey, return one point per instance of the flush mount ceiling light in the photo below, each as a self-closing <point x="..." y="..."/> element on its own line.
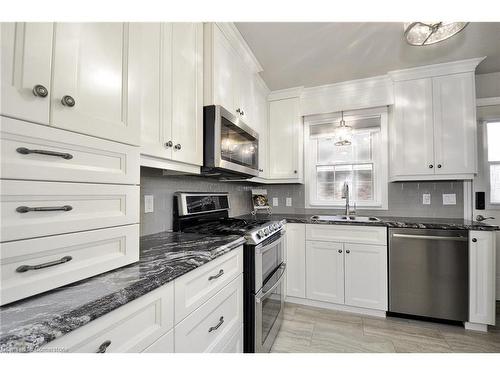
<point x="425" y="33"/>
<point x="343" y="133"/>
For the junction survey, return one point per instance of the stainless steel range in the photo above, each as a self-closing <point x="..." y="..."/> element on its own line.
<point x="264" y="266"/>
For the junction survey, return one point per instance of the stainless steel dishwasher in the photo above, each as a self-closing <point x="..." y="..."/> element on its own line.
<point x="429" y="273"/>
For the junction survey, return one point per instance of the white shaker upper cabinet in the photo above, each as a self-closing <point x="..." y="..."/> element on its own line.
<point x="454" y="124"/>
<point x="26" y="66"/>
<point x="412" y="134"/>
<point x="223" y="71"/>
<point x="187" y="92"/>
<point x="285" y="141"/>
<point x="90" y="81"/>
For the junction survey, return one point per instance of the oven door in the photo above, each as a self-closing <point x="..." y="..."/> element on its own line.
<point x="269" y="305"/>
<point x="268" y="257"/>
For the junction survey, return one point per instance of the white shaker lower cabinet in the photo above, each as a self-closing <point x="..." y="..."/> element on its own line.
<point x="164" y="344"/>
<point x="209" y="328"/>
<point x="296" y="260"/>
<point x="366" y="276"/>
<point x="325" y="271"/>
<point x="132" y="328"/>
<point x="482" y="277"/>
<point x="25" y="70"/>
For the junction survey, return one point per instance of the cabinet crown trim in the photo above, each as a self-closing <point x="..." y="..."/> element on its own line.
<point x="293" y="92"/>
<point x="453" y="67"/>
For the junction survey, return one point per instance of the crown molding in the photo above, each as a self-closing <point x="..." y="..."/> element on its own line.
<point x="425" y="71"/>
<point x="347" y="86"/>
<point x="486" y="102"/>
<point x="238" y="42"/>
<point x="293" y="92"/>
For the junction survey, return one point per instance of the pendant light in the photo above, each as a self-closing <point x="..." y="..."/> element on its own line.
<point x="343" y="133"/>
<point x="425" y="33"/>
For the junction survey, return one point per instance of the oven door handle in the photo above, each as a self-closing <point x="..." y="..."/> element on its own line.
<point x="270" y="246"/>
<point x="262" y="296"/>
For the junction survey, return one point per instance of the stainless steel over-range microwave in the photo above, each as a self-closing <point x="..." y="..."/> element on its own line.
<point x="231" y="148"/>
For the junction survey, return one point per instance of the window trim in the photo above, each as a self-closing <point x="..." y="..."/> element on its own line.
<point x="380" y="169"/>
<point x="487" y="163"/>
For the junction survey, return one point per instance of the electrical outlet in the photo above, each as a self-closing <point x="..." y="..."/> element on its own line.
<point x="426" y="198"/>
<point x="148" y="204"/>
<point x="289" y="202"/>
<point x="449" y="199"/>
<point x="275" y="202"/>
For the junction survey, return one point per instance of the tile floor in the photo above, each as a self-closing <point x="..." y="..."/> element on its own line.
<point x="315" y="330"/>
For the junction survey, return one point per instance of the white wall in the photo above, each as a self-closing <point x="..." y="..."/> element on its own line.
<point x="488" y="85"/>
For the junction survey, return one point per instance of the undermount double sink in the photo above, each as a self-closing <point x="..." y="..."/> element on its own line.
<point x="344" y="218"/>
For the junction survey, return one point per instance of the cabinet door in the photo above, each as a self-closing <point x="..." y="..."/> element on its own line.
<point x="366" y="276"/>
<point x="454" y="124"/>
<point x="150" y="79"/>
<point x="296" y="260"/>
<point x="187" y="92"/>
<point x="25" y="64"/>
<point x="325" y="271"/>
<point x="245" y="99"/>
<point x="224" y="74"/>
<point x="412" y="132"/>
<point x="482" y="277"/>
<point x="90" y="75"/>
<point x="261" y="126"/>
<point x="284" y="139"/>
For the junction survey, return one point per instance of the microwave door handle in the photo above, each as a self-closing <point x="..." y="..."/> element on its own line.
<point x="263" y="249"/>
<point x="262" y="296"/>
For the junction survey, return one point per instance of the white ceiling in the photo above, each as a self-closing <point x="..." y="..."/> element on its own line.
<point x="312" y="54"/>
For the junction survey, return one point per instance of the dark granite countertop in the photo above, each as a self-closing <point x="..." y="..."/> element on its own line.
<point x="28" y="324"/>
<point x="385" y="221"/>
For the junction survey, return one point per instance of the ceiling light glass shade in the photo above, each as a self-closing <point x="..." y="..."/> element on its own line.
<point x="343" y="134"/>
<point x="425" y="33"/>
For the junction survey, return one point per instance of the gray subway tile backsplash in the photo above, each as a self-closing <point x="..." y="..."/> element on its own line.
<point x="405" y="198"/>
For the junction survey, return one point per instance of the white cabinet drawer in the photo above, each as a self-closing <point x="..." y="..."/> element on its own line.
<point x="73" y="207"/>
<point x="91" y="252"/>
<point x="82" y="158"/>
<point x="198" y="286"/>
<point x="235" y="343"/>
<point x="164" y="344"/>
<point x="209" y="328"/>
<point x="131" y="328"/>
<point x="347" y="233"/>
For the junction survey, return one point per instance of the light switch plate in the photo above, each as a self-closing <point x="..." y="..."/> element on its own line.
<point x="449" y="199"/>
<point x="289" y="202"/>
<point x="148" y="204"/>
<point x="275" y="202"/>
<point x="426" y="198"/>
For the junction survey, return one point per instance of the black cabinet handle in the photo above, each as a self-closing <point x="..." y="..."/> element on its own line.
<point x="214" y="328"/>
<point x="25" y="268"/>
<point x="68" y="101"/>
<point x="24" y="209"/>
<point x="40" y="91"/>
<point x="221" y="272"/>
<point x="340" y="251"/>
<point x="439" y="165"/>
<point x="431" y="166"/>
<point x="104" y="346"/>
<point x="178" y="146"/>
<point x="169" y="144"/>
<point x="474" y="240"/>
<point x="348" y="251"/>
<point x="26" y="151"/>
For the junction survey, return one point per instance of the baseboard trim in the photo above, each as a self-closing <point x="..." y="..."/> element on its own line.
<point x="335" y="306"/>
<point x="476" y="327"/>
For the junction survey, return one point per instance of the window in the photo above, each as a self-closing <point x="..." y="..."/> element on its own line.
<point x="493" y="137"/>
<point x="362" y="164"/>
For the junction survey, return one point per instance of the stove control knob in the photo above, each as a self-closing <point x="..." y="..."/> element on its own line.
<point x="266" y="231"/>
<point x="260" y="234"/>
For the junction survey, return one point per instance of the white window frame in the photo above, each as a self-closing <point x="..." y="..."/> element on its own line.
<point x="487" y="163"/>
<point x="380" y="170"/>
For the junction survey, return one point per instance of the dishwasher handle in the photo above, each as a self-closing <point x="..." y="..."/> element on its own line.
<point x="424" y="237"/>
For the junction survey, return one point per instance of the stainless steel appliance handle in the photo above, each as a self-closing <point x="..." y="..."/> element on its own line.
<point x="423" y="237"/>
<point x="261" y="296"/>
<point x="263" y="249"/>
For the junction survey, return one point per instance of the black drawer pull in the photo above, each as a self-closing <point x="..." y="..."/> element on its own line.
<point x="25" y="268"/>
<point x="221" y="272"/>
<point x="104" y="346"/>
<point x="474" y="240"/>
<point x="24" y="209"/>
<point x="26" y="151"/>
<point x="214" y="328"/>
